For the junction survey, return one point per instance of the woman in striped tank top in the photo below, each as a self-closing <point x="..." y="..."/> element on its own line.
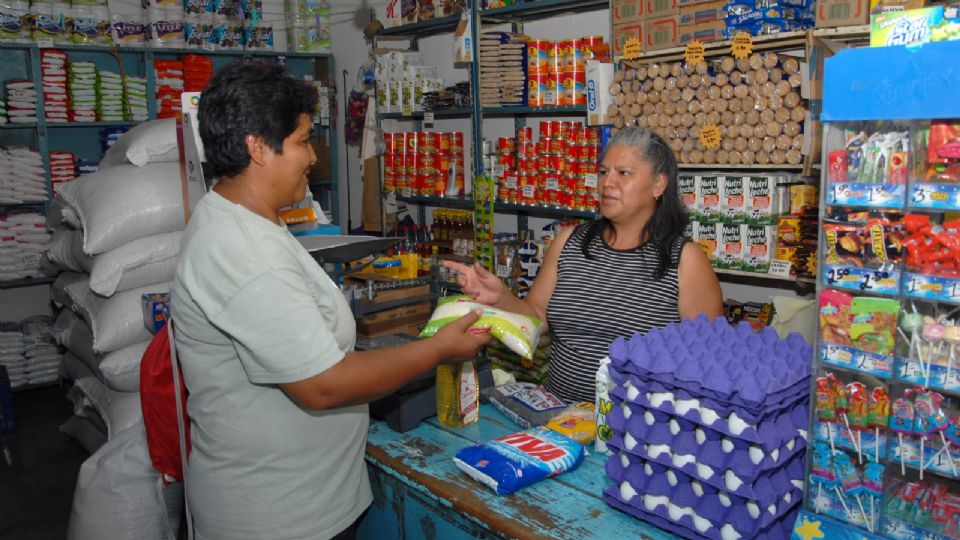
<point x="625" y="273"/>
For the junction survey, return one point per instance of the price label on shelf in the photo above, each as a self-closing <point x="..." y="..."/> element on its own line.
<point x="924" y="287"/>
<point x="552" y="183"/>
<point x="529" y="191"/>
<point x="208" y="47"/>
<point x="428" y="117"/>
<point x="862" y="279"/>
<point x="780" y="268"/>
<point x="937" y="376"/>
<point x="590" y="180"/>
<point x="936" y="196"/>
<point x="45" y="43"/>
<point x="867" y="194"/>
<point x="391" y="203"/>
<point x="632" y="49"/>
<point x="510" y="180"/>
<point x="837" y="355"/>
<point x="851" y="358"/>
<point x="742" y="46"/>
<point x="694" y="52"/>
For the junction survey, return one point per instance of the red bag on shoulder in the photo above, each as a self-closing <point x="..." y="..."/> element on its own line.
<point x="159" y="403"/>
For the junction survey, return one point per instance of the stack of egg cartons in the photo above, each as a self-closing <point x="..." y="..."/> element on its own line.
<point x="709" y="428"/>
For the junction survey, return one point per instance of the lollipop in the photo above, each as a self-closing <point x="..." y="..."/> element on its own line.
<point x="827" y="406"/>
<point x="850" y="482"/>
<point x="879" y="415"/>
<point x="932" y="333"/>
<point x="910" y="327"/>
<point x="843" y="406"/>
<point x="821" y="471"/>
<point x="859" y="415"/>
<point x="873" y="486"/>
<point x="901" y="422"/>
<point x="930" y="420"/>
<point x="951" y="335"/>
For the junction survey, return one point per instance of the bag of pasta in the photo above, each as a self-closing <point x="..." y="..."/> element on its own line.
<point x="520" y="333"/>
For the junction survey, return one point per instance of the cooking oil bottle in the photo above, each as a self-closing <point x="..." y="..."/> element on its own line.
<point x="458" y="394"/>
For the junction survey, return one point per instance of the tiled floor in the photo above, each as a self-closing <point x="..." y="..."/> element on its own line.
<point x="38" y="468"/>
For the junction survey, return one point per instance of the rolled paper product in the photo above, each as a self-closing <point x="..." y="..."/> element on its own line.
<point x="766" y="116"/>
<point x="706" y="105"/>
<point x="726" y="118"/>
<point x="640" y="98"/>
<point x="761" y="76"/>
<point x="720" y="105"/>
<point x="689" y="94"/>
<point x="701" y="68"/>
<point x="618" y="122"/>
<point x="629" y="99"/>
<point x="727" y="64"/>
<point x="676" y="145"/>
<point x="775" y="102"/>
<point x="795" y="80"/>
<point x="674" y="95"/>
<point x="735" y="158"/>
<point x="649" y="108"/>
<point x="791" y="100"/>
<point x="696" y="156"/>
<point x="730" y="132"/>
<point x="694" y="106"/>
<point x="791" y="129"/>
<point x="671" y="83"/>
<point x="797" y="114"/>
<point x="740" y="144"/>
<point x="689" y="144"/>
<point x="763" y="158"/>
<point x="750" y="78"/>
<point x="641" y="73"/>
<point x="683" y="157"/>
<point x="781" y="88"/>
<point x="636" y="109"/>
<point x="721" y="79"/>
<point x="735" y="78"/>
<point x="743" y="64"/>
<point x="752" y="117"/>
<point x="773" y="129"/>
<point x="676" y="122"/>
<point x="669" y="108"/>
<point x="629" y="121"/>
<point x="695" y="81"/>
<point x="770" y="60"/>
<point x="615" y="88"/>
<point x="700" y="118"/>
<point x="613" y="111"/>
<point x="653" y="96"/>
<point x="688" y="120"/>
<point x="676" y="69"/>
<point x="754" y="144"/>
<point x="631" y="75"/>
<point x="636" y="86"/>
<point x="794" y="157"/>
<point x="723" y="157"/>
<point x="726" y="91"/>
<point x="778" y="157"/>
<point x="741" y="91"/>
<point x="782" y="115"/>
<point x="703" y="94"/>
<point x="618" y="76"/>
<point x="767" y="88"/>
<point x="682" y="131"/>
<point x="769" y="144"/>
<point x="761" y="103"/>
<point x="659" y="83"/>
<point x="620" y="99"/>
<point x="682" y="81"/>
<point x="727" y="144"/>
<point x="755" y="60"/>
<point x="783" y="141"/>
<point x="642" y="122"/>
<point x="663" y="121"/>
<point x="709" y="156"/>
<point x="713" y="117"/>
<point x="646" y="85"/>
<point x="748" y="157"/>
<point x="713" y="92"/>
<point x="791" y="65"/>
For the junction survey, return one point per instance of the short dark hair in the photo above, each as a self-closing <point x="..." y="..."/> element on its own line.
<point x="247" y="99"/>
<point x="669" y="220"/>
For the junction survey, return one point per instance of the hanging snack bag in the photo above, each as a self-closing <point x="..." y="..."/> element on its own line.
<point x="518" y="460"/>
<point x="519" y="333"/>
<point x="529" y="405"/>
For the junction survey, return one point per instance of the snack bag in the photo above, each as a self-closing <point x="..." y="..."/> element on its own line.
<point x="578" y="421"/>
<point x="520" y="459"/>
<point x="529" y="405"/>
<point x="519" y="333"/>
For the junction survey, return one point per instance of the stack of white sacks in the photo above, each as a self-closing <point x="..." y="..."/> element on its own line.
<point x="117" y="235"/>
<point x="22" y="178"/>
<point x="23" y="239"/>
<point x="29" y="352"/>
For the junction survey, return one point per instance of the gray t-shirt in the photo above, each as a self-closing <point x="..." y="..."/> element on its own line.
<point x="253" y="310"/>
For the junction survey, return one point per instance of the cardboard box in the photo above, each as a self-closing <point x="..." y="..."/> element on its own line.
<point x="155" y="312"/>
<point x="732" y="198"/>
<point x="660" y="8"/>
<point x="834" y="13"/>
<point x="729" y="246"/>
<point x="709" y="11"/>
<point x="710" y="31"/>
<point x="626" y="11"/>
<point x="885" y="6"/>
<point x="761" y="199"/>
<point x="599" y="98"/>
<point x="392" y="295"/>
<point x="661" y="32"/>
<point x="687" y="189"/>
<point x="708" y="197"/>
<point x="622" y="32"/>
<point x="705" y="234"/>
<point x="394" y="320"/>
<point x="759" y="244"/>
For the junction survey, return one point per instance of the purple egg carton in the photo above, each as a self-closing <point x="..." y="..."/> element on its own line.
<point x="663" y="483"/>
<point x="777" y="530"/>
<point x="707" y="446"/>
<point x="734" y="364"/>
<point x="764" y="487"/>
<point x="771" y="429"/>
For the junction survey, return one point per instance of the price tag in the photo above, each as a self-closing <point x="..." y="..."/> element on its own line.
<point x="780" y="268"/>
<point x="590" y="180"/>
<point x="741" y="46"/>
<point x="428" y="117"/>
<point x="529" y="191"/>
<point x="390" y="206"/>
<point x="510" y="181"/>
<point x="550" y="97"/>
<point x="503" y="271"/>
<point x="932" y="287"/>
<point x="208" y="47"/>
<point x="694" y="52"/>
<point x="939" y="196"/>
<point x="32" y="259"/>
<point x="710" y="137"/>
<point x="632" y="49"/>
<point x="552" y="184"/>
<point x="837" y="355"/>
<point x="45" y="43"/>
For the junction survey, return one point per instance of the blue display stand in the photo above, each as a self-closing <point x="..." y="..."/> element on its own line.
<point x="892" y="83"/>
<point x="812" y="526"/>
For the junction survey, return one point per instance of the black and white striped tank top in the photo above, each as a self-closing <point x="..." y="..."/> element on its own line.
<point x="597" y="300"/>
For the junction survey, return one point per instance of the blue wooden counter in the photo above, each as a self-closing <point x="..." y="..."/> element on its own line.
<point x="420" y="493"/>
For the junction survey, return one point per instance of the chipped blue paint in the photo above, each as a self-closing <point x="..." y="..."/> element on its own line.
<point x="419" y="492"/>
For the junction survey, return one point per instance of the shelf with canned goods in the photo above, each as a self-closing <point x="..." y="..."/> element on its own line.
<point x="427" y="115"/>
<point x="411" y="28"/>
<point x="542" y="110"/>
<point x="537" y="9"/>
<point x="439" y="202"/>
<point x="424" y="164"/>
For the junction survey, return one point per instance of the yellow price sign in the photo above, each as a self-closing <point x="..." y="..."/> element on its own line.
<point x="741" y="46"/>
<point x="694" y="52"/>
<point x="632" y="49"/>
<point x="710" y="137"/>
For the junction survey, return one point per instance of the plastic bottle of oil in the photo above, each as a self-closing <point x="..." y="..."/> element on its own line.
<point x="458" y="394"/>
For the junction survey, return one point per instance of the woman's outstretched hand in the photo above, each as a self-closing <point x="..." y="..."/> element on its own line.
<point x="478" y="282"/>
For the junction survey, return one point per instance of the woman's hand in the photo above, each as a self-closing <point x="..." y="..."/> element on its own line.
<point x="478" y="282"/>
<point x="457" y="343"/>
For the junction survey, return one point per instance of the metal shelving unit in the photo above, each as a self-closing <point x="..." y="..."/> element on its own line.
<point x="26" y="282"/>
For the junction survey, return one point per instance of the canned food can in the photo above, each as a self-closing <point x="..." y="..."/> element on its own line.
<point x="549" y="128"/>
<point x="443" y="161"/>
<point x="506" y="145"/>
<point x="571" y="165"/>
<point x="440" y="183"/>
<point x="590" y="153"/>
<point x="388" y="138"/>
<point x="539" y="52"/>
<point x="389" y="163"/>
<point x="426" y="142"/>
<point x="554" y="162"/>
<point x="424" y="181"/>
<point x="572" y="55"/>
<point x="524" y="135"/>
<point x="568" y="182"/>
<point x="555" y="146"/>
<point x="446" y="142"/>
<point x="507" y="161"/>
<point x="389" y="182"/>
<point x="587" y="44"/>
<point x="412" y="141"/>
<point x="426" y="163"/>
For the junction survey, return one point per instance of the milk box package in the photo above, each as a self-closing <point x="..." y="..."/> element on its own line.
<point x="687" y="189"/>
<point x="759" y="242"/>
<point x="708" y="197"/>
<point x="705" y="235"/>
<point x="732" y="202"/>
<point x="729" y="246"/>
<point x="760" y="194"/>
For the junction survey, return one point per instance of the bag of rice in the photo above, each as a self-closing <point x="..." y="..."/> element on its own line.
<point x="527" y="404"/>
<point x="519" y="333"/>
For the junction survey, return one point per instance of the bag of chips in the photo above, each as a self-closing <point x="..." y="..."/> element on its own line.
<point x="520" y="459"/>
<point x="519" y="333"/>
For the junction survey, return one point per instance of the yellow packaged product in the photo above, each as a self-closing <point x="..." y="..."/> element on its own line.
<point x="578" y="421"/>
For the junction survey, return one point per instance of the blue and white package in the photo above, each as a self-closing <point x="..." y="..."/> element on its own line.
<point x="518" y="460"/>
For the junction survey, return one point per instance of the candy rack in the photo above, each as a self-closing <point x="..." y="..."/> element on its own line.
<point x="884" y="457"/>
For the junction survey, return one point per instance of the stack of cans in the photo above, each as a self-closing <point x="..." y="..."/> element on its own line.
<point x="556" y="70"/>
<point x="559" y="170"/>
<point x="425" y="164"/>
